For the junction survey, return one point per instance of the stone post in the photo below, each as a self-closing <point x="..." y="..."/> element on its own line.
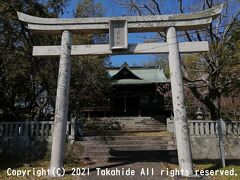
<point x="61" y="109"/>
<point x="125" y="103"/>
<point x="73" y="129"/>
<point x="26" y="129"/>
<point x="170" y="125"/>
<point x="221" y="127"/>
<point x="180" y="118"/>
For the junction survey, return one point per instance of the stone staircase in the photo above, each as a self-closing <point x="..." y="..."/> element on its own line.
<point x="138" y="139"/>
<point x="123" y="125"/>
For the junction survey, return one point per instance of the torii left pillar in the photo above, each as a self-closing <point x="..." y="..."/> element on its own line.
<point x="61" y="110"/>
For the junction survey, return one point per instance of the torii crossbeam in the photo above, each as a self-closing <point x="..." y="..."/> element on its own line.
<point x="118" y="28"/>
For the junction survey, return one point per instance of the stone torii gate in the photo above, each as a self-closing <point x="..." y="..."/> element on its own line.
<point x="118" y="28"/>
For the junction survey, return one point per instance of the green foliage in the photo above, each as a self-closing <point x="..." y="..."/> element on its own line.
<point x="25" y="82"/>
<point x="28" y="84"/>
<point x="89" y="83"/>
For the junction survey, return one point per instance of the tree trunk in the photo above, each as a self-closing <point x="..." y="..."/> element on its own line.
<point x="214" y="107"/>
<point x="212" y="101"/>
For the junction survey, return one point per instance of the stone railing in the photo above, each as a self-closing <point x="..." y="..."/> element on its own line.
<point x="232" y="127"/>
<point x="44" y="129"/>
<point x="208" y="127"/>
<point x="34" y="129"/>
<point x="203" y="127"/>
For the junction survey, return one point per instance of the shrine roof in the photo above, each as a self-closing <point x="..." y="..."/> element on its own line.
<point x="126" y="75"/>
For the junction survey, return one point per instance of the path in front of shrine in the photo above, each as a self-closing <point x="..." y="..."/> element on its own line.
<point x="159" y="168"/>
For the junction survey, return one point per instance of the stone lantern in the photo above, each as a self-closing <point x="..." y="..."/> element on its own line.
<point x="199" y="114"/>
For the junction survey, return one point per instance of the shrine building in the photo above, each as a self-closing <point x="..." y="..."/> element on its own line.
<point x="136" y="91"/>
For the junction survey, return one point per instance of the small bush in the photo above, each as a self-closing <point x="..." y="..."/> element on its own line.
<point x="73" y="153"/>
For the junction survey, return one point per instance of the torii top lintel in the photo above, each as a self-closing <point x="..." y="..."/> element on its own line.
<point x="153" y="23"/>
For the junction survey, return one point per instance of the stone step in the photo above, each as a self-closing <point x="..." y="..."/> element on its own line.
<point x="129" y="121"/>
<point x="144" y="126"/>
<point x="129" y="130"/>
<point x="144" y="144"/>
<point x="111" y="148"/>
<point x="130" y="118"/>
<point x="132" y="142"/>
<point x="96" y="153"/>
<point x="142" y="122"/>
<point x="154" y="123"/>
<point x="134" y="155"/>
<point x="124" y="119"/>
<point x="96" y="158"/>
<point x="144" y="148"/>
<point x="141" y="126"/>
<point x="125" y="138"/>
<point x="144" y="129"/>
<point x="151" y="123"/>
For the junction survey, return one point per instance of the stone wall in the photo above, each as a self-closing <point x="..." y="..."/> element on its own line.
<point x="31" y="148"/>
<point x="207" y="147"/>
<point x="204" y="138"/>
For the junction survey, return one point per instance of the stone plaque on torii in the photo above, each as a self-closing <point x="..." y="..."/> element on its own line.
<point x="118" y="29"/>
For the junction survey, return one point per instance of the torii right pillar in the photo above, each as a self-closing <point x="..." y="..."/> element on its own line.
<point x="180" y="117"/>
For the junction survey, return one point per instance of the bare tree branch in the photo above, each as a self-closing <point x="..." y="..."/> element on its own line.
<point x="148" y="9"/>
<point x="209" y="3"/>
<point x="230" y="25"/>
<point x="198" y="36"/>
<point x="157" y="6"/>
<point x="181" y="10"/>
<point x="134" y="6"/>
<point x="180" y="6"/>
